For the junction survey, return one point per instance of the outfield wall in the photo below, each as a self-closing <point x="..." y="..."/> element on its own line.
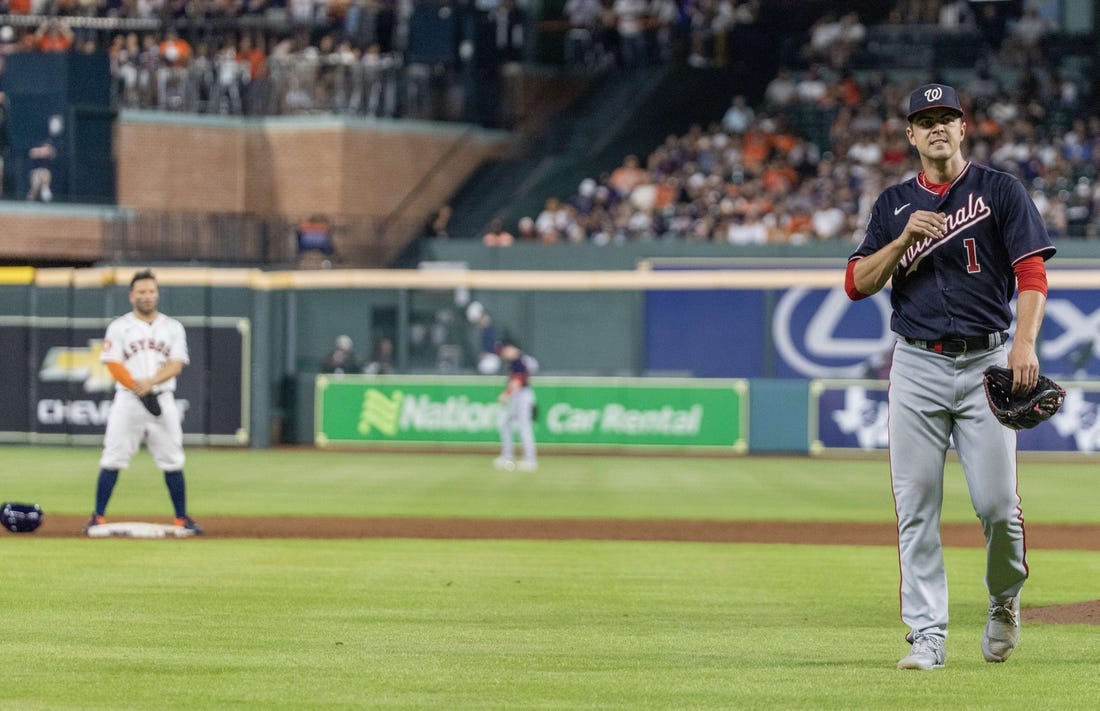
<point x="776" y="329"/>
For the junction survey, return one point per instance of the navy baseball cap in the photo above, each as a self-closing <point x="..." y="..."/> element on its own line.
<point x="933" y="96"/>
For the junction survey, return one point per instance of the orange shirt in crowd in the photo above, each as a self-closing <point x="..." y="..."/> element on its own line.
<point x="779" y="178"/>
<point x="54" y="42"/>
<point x="755" y="147"/>
<point x="989" y="128"/>
<point x="665" y="196"/>
<point x="784" y="142"/>
<point x="257" y="62"/>
<point x="176" y="51"/>
<point x="799" y="223"/>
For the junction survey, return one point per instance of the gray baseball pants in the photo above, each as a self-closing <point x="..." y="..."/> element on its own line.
<point x="934" y="400"/>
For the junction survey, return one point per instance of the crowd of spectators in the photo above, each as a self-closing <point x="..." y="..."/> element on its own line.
<point x="388" y="58"/>
<point x="758" y="174"/>
<point x="264" y="57"/>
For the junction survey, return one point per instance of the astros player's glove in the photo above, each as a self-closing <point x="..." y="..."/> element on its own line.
<point x="20" y="518"/>
<point x="1021" y="412"/>
<point x="151" y="403"/>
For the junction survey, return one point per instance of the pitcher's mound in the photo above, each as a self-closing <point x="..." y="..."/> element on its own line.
<point x="1077" y="613"/>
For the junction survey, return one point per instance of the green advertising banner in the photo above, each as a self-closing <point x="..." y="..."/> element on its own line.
<point x="647" y="412"/>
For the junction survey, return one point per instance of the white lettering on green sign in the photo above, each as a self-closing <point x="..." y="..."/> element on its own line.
<point x="455" y="414"/>
<point x="667" y="421"/>
<point x="615" y="418"/>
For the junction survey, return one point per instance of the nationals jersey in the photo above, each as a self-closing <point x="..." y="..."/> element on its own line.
<point x="961" y="284"/>
<point x="144" y="348"/>
<point x="519" y="375"/>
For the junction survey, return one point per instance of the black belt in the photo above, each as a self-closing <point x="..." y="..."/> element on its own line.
<point x="958" y="345"/>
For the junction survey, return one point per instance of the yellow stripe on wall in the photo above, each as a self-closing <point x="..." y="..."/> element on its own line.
<point x="16" y="275"/>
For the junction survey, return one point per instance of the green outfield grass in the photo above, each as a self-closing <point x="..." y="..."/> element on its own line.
<point x="409" y="624"/>
<point x="304" y="482"/>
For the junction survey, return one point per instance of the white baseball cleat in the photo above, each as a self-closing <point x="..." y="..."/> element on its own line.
<point x="927" y="653"/>
<point x="504" y="464"/>
<point x="1002" y="632"/>
<point x="526" y="466"/>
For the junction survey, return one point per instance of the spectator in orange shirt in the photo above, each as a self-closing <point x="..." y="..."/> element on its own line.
<point x="783" y="142"/>
<point x="251" y="52"/>
<point x="756" y="146"/>
<point x="797" y="224"/>
<point x="53" y="36"/>
<point x="779" y="177"/>
<point x="176" y="52"/>
<point x="175" y="56"/>
<point x="985" y="125"/>
<point x="668" y="192"/>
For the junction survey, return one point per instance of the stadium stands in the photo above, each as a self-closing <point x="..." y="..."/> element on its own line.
<point x="802" y="170"/>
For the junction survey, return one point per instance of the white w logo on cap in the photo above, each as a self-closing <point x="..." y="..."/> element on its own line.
<point x="933" y="94"/>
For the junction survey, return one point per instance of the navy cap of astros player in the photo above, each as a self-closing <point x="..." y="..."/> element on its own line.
<point x="933" y="96"/>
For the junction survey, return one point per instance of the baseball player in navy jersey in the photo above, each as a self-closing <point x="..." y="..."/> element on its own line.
<point x="518" y="413"/>
<point x="955" y="242"/>
<point x="145" y="351"/>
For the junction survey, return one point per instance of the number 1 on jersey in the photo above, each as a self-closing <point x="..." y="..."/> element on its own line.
<point x="972" y="265"/>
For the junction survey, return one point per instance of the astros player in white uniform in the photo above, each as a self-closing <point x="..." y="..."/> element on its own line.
<point x="145" y="351"/>
<point x="956" y="242"/>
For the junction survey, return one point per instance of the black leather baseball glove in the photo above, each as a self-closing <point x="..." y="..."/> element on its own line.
<point x="151" y="403"/>
<point x="20" y="518"/>
<point x="1021" y="412"/>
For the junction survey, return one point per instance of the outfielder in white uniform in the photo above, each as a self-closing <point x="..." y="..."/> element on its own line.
<point x="145" y="351"/>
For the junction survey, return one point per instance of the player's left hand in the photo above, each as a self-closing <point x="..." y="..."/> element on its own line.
<point x="143" y="387"/>
<point x="1025" y="370"/>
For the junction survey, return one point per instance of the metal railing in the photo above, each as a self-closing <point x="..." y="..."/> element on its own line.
<point x="247" y="240"/>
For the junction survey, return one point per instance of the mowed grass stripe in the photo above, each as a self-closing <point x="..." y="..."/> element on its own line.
<point x="509" y="624"/>
<point x="303" y="482"/>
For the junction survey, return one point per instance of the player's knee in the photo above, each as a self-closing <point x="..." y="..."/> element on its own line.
<point x="999" y="513"/>
<point x="169" y="465"/>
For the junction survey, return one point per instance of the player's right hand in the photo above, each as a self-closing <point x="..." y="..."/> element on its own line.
<point x="924" y="224"/>
<point x="143" y="387"/>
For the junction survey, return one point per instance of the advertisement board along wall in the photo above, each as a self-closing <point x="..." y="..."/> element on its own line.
<point x="596" y="412"/>
<point x="59" y="392"/>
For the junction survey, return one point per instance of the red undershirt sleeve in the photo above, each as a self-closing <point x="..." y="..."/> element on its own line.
<point x="850" y="282"/>
<point x="1031" y="275"/>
